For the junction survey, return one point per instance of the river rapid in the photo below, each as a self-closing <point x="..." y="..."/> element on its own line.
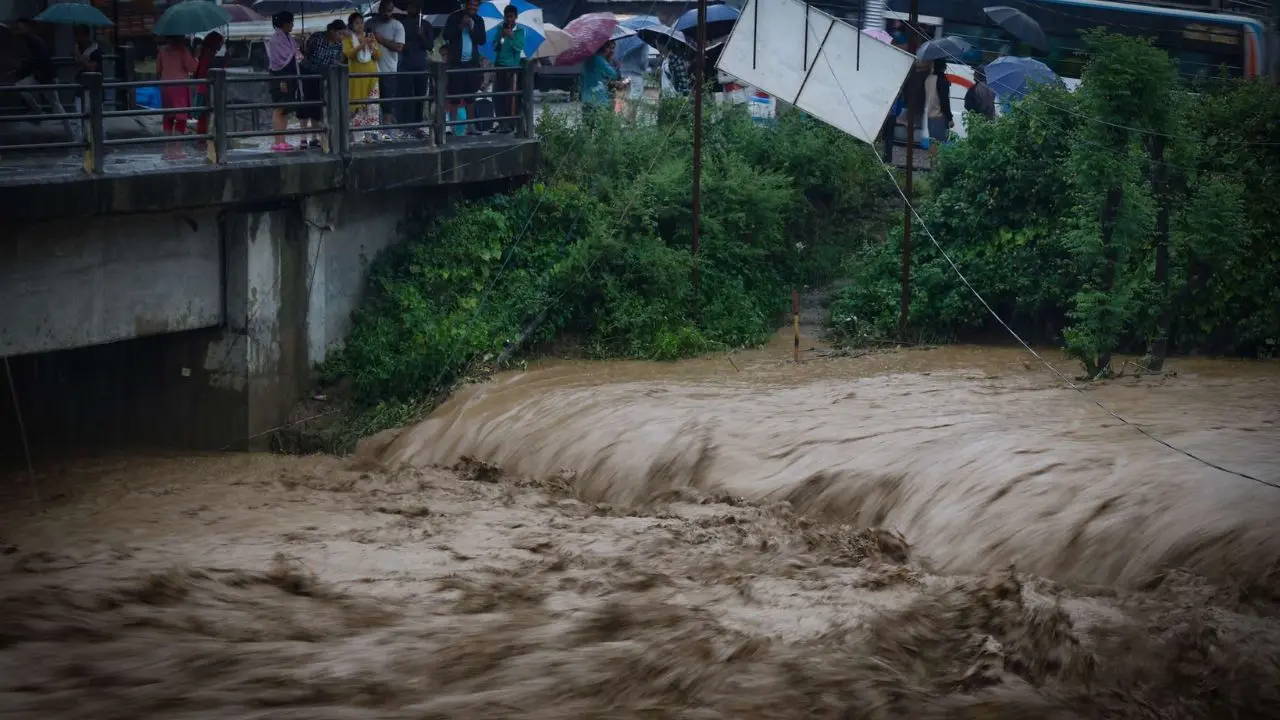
<point x="929" y="534"/>
<point x="981" y="457"/>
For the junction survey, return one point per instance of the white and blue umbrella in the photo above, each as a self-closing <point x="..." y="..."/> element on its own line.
<point x="529" y="17"/>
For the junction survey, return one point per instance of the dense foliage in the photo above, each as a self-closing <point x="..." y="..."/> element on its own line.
<point x="1134" y="212"/>
<point x="598" y="249"/>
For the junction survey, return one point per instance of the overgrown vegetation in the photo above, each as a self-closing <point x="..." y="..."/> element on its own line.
<point x="1136" y="213"/>
<point x="598" y="249"/>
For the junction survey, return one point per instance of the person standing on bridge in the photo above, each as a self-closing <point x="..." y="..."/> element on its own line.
<point x="419" y="39"/>
<point x="209" y="59"/>
<point x="389" y="33"/>
<point x="361" y="51"/>
<point x="507" y="52"/>
<point x="320" y="52"/>
<point x="175" y="62"/>
<point x="464" y="35"/>
<point x="37" y="69"/>
<point x="283" y="57"/>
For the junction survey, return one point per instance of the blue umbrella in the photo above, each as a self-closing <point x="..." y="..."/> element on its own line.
<point x="631" y="52"/>
<point x="720" y="22"/>
<point x="191" y="17"/>
<point x="529" y="18"/>
<point x="1012" y="77"/>
<point x="73" y="14"/>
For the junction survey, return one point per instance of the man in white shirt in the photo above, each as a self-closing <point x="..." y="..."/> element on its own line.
<point x="390" y="35"/>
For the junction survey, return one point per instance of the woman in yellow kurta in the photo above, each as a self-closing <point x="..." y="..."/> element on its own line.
<point x="362" y="52"/>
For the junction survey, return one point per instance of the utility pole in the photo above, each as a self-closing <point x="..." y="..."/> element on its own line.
<point x="699" y="80"/>
<point x="913" y="116"/>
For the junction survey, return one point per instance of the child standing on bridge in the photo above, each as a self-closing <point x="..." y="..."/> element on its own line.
<point x="174" y="61"/>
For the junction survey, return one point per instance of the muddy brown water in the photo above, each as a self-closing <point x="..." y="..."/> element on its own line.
<point x="728" y="537"/>
<point x="980" y="456"/>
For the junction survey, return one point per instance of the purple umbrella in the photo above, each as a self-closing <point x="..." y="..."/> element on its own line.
<point x="590" y="32"/>
<point x="240" y="13"/>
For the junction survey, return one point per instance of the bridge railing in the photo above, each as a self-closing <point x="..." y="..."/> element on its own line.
<point x="88" y="122"/>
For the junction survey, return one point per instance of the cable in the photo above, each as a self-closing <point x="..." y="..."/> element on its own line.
<point x="22" y="432"/>
<point x="955" y="268"/>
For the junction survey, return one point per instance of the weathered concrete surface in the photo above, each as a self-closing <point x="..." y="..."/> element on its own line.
<point x="259" y="179"/>
<point x="71" y="283"/>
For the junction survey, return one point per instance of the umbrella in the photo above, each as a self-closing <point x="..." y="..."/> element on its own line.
<point x="1019" y="25"/>
<point x="191" y="17"/>
<point x="947" y="48"/>
<point x="663" y="37"/>
<point x="879" y="34"/>
<point x="720" y="22"/>
<point x="621" y="33"/>
<point x="554" y="41"/>
<point x="241" y="13"/>
<point x="590" y="33"/>
<point x="529" y="17"/>
<point x="1012" y="77"/>
<point x="632" y="53"/>
<point x="73" y="14"/>
<point x="302" y="7"/>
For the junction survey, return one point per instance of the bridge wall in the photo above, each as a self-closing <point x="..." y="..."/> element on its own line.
<point x="197" y="326"/>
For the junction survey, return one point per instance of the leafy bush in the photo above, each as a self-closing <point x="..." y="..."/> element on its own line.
<point x="1133" y="210"/>
<point x="600" y="248"/>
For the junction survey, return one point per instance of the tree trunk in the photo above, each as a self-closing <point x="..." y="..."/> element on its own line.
<point x="1159" y="346"/>
<point x="1110" y="213"/>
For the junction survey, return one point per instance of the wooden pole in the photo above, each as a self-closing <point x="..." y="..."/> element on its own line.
<point x="699" y="89"/>
<point x="913" y="117"/>
<point x="795" y="326"/>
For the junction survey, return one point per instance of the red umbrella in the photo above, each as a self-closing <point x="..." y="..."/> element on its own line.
<point x="240" y="13"/>
<point x="590" y="32"/>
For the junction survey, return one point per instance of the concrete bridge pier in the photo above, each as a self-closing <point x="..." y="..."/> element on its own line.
<point x="191" y="312"/>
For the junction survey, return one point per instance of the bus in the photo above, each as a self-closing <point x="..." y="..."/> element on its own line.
<point x="1204" y="44"/>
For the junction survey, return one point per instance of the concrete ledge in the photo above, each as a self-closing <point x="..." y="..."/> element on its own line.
<point x="262" y="181"/>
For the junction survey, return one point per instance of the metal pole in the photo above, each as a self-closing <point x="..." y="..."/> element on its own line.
<point x="699" y="89"/>
<point x="527" y="79"/>
<point x="795" y="326"/>
<point x="218" y="113"/>
<point x="96" y="147"/>
<point x="440" y="111"/>
<point x="913" y="117"/>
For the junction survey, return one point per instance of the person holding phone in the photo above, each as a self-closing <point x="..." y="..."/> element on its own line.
<point x="508" y="50"/>
<point x="361" y="51"/>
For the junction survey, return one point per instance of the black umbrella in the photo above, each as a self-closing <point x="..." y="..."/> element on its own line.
<point x="947" y="48"/>
<point x="1019" y="24"/>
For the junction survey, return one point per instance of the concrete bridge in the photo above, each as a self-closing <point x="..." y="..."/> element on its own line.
<point x="184" y="304"/>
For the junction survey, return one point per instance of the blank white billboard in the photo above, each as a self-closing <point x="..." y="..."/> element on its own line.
<point x="846" y="79"/>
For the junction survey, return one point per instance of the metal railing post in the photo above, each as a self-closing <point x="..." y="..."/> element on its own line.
<point x="96" y="133"/>
<point x="441" y="75"/>
<point x="526" y="98"/>
<point x="218" y="115"/>
<point x="337" y="115"/>
<point x="126" y="59"/>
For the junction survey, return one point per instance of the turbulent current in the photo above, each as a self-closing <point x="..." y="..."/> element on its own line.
<point x="946" y="534"/>
<point x="981" y="457"/>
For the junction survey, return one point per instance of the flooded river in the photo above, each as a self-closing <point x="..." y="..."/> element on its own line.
<point x="980" y="456"/>
<point x="942" y="533"/>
